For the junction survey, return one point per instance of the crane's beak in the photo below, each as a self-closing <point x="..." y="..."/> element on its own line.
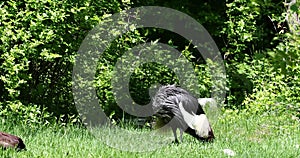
<point x="199" y="123"/>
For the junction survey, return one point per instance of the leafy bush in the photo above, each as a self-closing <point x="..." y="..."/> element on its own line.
<point x="144" y="79"/>
<point x="277" y="80"/>
<point x="40" y="40"/>
<point x="248" y="33"/>
<point x="38" y="45"/>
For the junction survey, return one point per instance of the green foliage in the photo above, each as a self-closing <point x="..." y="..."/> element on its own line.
<point x="16" y="112"/>
<point x="277" y="82"/>
<point x="248" y="33"/>
<point x="105" y="68"/>
<point x="39" y="40"/>
<point x="240" y="33"/>
<point x="144" y="78"/>
<point x="241" y="28"/>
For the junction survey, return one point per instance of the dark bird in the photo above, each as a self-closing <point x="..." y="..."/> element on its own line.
<point x="11" y="141"/>
<point x="177" y="108"/>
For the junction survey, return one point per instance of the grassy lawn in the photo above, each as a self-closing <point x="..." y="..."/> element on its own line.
<point x="247" y="136"/>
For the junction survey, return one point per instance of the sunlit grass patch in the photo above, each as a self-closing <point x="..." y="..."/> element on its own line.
<point x="246" y="136"/>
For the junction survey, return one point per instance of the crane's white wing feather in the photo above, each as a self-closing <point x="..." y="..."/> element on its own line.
<point x="188" y="118"/>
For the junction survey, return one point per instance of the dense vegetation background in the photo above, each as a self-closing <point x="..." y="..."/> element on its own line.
<point x="40" y="39"/>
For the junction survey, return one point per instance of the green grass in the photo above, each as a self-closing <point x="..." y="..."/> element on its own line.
<point x="247" y="136"/>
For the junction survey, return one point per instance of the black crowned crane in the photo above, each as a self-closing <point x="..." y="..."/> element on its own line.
<point x="11" y="141"/>
<point x="177" y="108"/>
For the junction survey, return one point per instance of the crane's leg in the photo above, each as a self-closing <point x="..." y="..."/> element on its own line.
<point x="175" y="135"/>
<point x="181" y="133"/>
